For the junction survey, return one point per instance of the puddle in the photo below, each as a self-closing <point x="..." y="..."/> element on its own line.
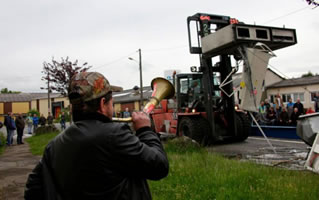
<point x="290" y="158"/>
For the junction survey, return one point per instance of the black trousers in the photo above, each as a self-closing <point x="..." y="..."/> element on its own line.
<point x="19" y="135"/>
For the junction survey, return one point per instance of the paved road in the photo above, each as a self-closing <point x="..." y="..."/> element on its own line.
<point x="254" y="144"/>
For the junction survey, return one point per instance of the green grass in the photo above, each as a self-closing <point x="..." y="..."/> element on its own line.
<point x="202" y="175"/>
<point x="38" y="143"/>
<point x="3" y="143"/>
<point x="196" y="174"/>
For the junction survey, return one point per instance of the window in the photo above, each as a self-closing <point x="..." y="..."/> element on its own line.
<point x="184" y="86"/>
<point x="286" y="97"/>
<point x="272" y="98"/>
<point x="298" y="95"/>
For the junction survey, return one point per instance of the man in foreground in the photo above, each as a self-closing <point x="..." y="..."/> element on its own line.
<point x="96" y="158"/>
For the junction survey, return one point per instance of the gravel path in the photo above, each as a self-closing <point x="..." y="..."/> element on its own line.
<point x="15" y="164"/>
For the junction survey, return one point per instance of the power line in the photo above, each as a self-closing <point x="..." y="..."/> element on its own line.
<point x="165" y="49"/>
<point x="290" y="13"/>
<point x="114" y="61"/>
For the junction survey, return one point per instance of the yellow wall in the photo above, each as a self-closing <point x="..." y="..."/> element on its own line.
<point x="1" y="108"/>
<point x="20" y="107"/>
<point x="1" y="112"/>
<point x="117" y="107"/>
<point x="136" y="105"/>
<point x="34" y="104"/>
<point x="43" y="107"/>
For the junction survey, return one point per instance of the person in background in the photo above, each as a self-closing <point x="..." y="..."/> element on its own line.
<point x="42" y="120"/>
<point x="309" y="110"/>
<point x="271" y="115"/>
<point x="290" y="107"/>
<point x="96" y="158"/>
<point x="62" y="121"/>
<point x="7" y="124"/>
<point x="267" y="104"/>
<point x="29" y="122"/>
<point x="50" y="119"/>
<point x="283" y="117"/>
<point x="316" y="100"/>
<point x="279" y="105"/>
<point x="20" y="124"/>
<point x="1" y="125"/>
<point x="294" y="116"/>
<point x="126" y="113"/>
<point x="35" y="121"/>
<point x="299" y="105"/>
<point x="11" y="126"/>
<point x="262" y="108"/>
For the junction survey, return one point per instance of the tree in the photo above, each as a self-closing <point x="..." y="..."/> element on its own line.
<point x="312" y="2"/>
<point x="60" y="73"/>
<point x="309" y="74"/>
<point x="6" y="91"/>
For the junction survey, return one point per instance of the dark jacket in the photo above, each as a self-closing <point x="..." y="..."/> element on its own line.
<point x="97" y="159"/>
<point x="294" y="117"/>
<point x="7" y="120"/>
<point x="300" y="108"/>
<point x="9" y="123"/>
<point x="42" y="120"/>
<point x="50" y="119"/>
<point x="316" y="100"/>
<point x="20" y="122"/>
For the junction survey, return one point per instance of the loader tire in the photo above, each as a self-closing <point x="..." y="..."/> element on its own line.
<point x="195" y="128"/>
<point x="243" y="126"/>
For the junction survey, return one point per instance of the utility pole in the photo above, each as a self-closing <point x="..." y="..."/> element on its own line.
<point x="48" y="94"/>
<point x="141" y="78"/>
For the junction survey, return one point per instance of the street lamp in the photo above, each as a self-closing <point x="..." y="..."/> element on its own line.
<point x="141" y="78"/>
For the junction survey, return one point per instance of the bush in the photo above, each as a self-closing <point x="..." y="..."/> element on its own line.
<point x="2" y="142"/>
<point x="45" y="129"/>
<point x="34" y="111"/>
<point x="182" y="145"/>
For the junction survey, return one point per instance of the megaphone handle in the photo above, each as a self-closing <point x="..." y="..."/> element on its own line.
<point x="151" y="105"/>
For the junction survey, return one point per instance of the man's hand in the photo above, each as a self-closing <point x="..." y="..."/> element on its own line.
<point x="140" y="119"/>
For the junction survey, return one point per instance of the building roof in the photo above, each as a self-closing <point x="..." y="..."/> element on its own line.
<point x="131" y="95"/>
<point x="21" y="97"/>
<point x="45" y="95"/>
<point x="296" y="82"/>
<point x="26" y="97"/>
<point x="237" y="77"/>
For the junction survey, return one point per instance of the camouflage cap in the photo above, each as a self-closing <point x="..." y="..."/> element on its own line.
<point x="86" y="86"/>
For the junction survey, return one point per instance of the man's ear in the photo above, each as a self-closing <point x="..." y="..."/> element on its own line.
<point x="102" y="105"/>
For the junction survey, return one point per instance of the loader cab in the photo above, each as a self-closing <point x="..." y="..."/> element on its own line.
<point x="190" y="92"/>
<point x="189" y="89"/>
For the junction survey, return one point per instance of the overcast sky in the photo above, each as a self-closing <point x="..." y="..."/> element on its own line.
<point x="105" y="33"/>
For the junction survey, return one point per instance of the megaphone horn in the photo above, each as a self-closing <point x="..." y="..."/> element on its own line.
<point x="162" y="89"/>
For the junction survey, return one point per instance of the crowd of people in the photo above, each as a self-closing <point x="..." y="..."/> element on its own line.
<point x="278" y="113"/>
<point x="31" y="121"/>
<point x="123" y="114"/>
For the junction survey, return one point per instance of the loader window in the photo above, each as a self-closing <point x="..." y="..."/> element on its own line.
<point x="190" y="91"/>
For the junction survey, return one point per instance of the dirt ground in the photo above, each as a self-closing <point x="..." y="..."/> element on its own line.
<point x="15" y="164"/>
